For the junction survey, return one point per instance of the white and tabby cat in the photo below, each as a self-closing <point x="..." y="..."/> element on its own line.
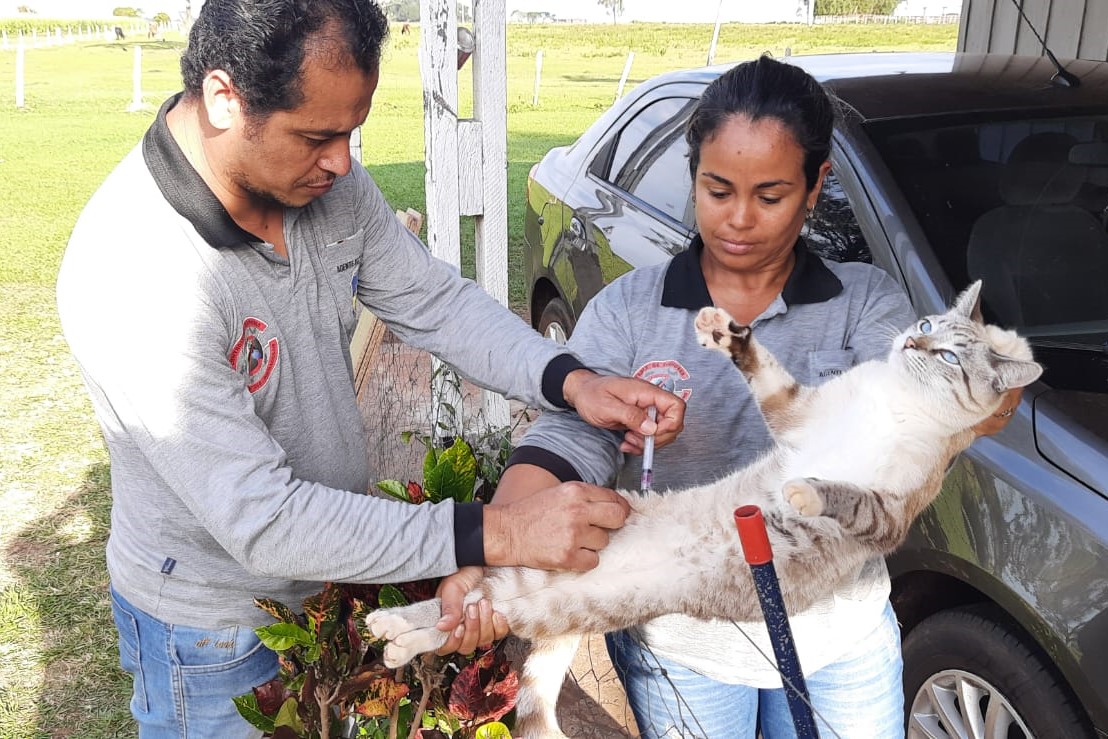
<point x="855" y="461"/>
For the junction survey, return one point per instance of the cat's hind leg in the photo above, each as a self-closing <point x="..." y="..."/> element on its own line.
<point x="865" y="515"/>
<point x="409" y="630"/>
<point x="540" y="683"/>
<point x="776" y="391"/>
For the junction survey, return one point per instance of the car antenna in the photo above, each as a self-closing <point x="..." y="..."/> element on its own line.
<point x="1062" y="77"/>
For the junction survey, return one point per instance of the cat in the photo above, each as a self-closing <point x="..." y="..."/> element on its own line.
<point x="855" y="460"/>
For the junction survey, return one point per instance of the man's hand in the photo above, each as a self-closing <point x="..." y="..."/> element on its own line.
<point x="622" y="403"/>
<point x="561" y="529"/>
<point x="1000" y="418"/>
<point x="479" y="625"/>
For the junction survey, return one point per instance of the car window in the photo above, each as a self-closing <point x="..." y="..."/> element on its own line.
<point x="1023" y="206"/>
<point x="832" y="230"/>
<point x="648" y="158"/>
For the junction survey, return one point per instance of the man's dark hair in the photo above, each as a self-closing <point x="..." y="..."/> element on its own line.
<point x="261" y="45"/>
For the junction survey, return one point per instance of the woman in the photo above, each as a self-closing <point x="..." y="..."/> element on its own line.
<point x="759" y="141"/>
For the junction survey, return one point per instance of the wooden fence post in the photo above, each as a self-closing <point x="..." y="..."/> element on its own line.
<point x="457" y="148"/>
<point x="136" y="83"/>
<point x="538" y="78"/>
<point x="623" y="77"/>
<point x="20" y="62"/>
<point x="490" y="109"/>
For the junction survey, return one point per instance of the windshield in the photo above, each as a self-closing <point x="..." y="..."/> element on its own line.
<point x="1023" y="206"/>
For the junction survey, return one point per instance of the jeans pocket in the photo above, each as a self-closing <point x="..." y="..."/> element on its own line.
<point x="212" y="667"/>
<point x="130" y="652"/>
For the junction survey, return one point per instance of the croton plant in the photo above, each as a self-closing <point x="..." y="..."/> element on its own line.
<point x="332" y="682"/>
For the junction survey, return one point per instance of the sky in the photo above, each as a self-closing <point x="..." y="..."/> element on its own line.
<point x="95" y="8"/>
<point x="699" y="11"/>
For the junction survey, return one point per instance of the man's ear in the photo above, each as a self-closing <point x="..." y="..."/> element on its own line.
<point x="221" y="102"/>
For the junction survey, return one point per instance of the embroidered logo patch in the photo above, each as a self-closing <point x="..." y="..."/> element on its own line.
<point x="666" y="369"/>
<point x="251" y="358"/>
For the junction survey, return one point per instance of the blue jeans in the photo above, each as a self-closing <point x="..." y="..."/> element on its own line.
<point x="184" y="677"/>
<point x="860" y="697"/>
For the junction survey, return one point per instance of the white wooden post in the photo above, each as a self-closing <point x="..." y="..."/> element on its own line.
<point x="471" y="150"/>
<point x="438" y="64"/>
<point x="356" y="146"/>
<point x="34" y="38"/>
<point x="538" y="78"/>
<point x="20" y="52"/>
<point x="623" y="77"/>
<point x="490" y="109"/>
<point x="136" y="83"/>
<point x="4" y="42"/>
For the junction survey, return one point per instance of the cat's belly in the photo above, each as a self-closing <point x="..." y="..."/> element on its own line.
<point x="865" y="462"/>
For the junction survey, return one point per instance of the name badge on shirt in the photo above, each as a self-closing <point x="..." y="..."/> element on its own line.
<point x="823" y="365"/>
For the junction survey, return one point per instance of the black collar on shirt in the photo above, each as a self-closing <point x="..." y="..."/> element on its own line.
<point x="809" y="282"/>
<point x="184" y="188"/>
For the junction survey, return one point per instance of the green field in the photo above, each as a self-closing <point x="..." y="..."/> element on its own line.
<point x="58" y="673"/>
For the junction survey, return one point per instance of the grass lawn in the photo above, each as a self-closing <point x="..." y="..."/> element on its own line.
<point x="58" y="673"/>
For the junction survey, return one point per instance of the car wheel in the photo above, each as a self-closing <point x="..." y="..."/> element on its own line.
<point x="970" y="676"/>
<point x="556" y="323"/>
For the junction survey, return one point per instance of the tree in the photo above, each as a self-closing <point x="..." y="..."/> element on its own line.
<point x="615" y="6"/>
<point x="26" y="9"/>
<point x="127" y="13"/>
<point x="162" y="19"/>
<point x="855" y="7"/>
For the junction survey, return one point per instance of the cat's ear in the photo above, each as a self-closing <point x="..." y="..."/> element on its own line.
<point x="968" y="303"/>
<point x="1012" y="373"/>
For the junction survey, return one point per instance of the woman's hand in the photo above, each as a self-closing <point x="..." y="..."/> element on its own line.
<point x="1000" y="418"/>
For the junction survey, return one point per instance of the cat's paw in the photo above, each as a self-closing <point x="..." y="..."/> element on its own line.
<point x="409" y="645"/>
<point x="803" y="496"/>
<point x="406" y="630"/>
<point x="715" y="329"/>
<point x="388" y="623"/>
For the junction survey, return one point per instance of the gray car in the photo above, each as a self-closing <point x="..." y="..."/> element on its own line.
<point x="946" y="168"/>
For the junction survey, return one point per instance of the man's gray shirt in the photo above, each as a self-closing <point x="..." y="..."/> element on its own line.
<point x="829" y="317"/>
<point x="221" y="377"/>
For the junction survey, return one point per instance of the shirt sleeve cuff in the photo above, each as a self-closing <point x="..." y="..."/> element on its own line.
<point x="554" y="378"/>
<point x="549" y="461"/>
<point x="469" y="534"/>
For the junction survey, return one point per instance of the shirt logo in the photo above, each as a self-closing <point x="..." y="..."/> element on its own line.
<point x="252" y="359"/>
<point x="666" y="369"/>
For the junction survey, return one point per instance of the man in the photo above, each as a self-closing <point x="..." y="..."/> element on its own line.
<point x="207" y="295"/>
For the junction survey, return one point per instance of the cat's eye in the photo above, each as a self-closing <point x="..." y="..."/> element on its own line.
<point x="949" y="357"/>
<point x="924" y="326"/>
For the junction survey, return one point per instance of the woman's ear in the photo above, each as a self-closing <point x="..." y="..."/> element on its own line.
<point x="813" y="196"/>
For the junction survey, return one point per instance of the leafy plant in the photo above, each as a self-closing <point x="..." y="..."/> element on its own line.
<point x="331" y="680"/>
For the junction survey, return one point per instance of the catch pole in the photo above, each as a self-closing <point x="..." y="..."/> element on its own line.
<point x="759" y="555"/>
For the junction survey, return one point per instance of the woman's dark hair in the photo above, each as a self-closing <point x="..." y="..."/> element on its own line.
<point x="260" y="43"/>
<point x="766" y="88"/>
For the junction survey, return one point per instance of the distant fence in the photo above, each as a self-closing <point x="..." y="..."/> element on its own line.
<point x="888" y="19"/>
<point x="39" y="36"/>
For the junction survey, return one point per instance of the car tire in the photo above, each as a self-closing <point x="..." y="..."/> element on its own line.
<point x="556" y="322"/>
<point x="968" y="653"/>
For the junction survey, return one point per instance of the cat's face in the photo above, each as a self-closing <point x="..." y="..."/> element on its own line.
<point x="960" y="365"/>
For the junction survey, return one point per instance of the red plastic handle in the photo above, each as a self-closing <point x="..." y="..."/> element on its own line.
<point x="752" y="534"/>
